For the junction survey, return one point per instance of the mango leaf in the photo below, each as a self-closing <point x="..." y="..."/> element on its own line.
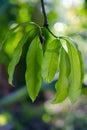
<point x="11" y="41"/>
<point x="30" y="25"/>
<point x="80" y="58"/>
<point x="33" y="71"/>
<point x="16" y="57"/>
<point x="27" y="26"/>
<point x="62" y="85"/>
<point x="18" y="52"/>
<point x="15" y="34"/>
<point x="75" y="76"/>
<point x="50" y="60"/>
<point x="81" y="63"/>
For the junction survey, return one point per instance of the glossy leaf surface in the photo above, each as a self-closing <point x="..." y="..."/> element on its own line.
<point x="33" y="71"/>
<point x="18" y="51"/>
<point x="50" y="60"/>
<point x="75" y="76"/>
<point x="62" y="85"/>
<point x="16" y="57"/>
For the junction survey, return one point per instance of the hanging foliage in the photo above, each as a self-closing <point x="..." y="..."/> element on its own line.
<point x="44" y="64"/>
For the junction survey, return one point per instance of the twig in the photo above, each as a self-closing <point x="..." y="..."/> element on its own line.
<point x="52" y="33"/>
<point x="46" y="25"/>
<point x="44" y="14"/>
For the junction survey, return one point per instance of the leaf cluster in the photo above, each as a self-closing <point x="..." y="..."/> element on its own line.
<point x="45" y="57"/>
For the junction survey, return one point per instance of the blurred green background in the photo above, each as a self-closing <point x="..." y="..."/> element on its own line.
<point x="65" y="17"/>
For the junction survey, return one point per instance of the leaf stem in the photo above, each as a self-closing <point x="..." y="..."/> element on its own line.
<point x="52" y="33"/>
<point x="46" y="25"/>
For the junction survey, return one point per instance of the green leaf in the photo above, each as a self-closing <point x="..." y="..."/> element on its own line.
<point x="80" y="58"/>
<point x="16" y="57"/>
<point x="29" y="26"/>
<point x="18" y="51"/>
<point x="62" y="85"/>
<point x="33" y="71"/>
<point x="11" y="41"/>
<point x="15" y="34"/>
<point x="50" y="60"/>
<point x="81" y="64"/>
<point x="75" y="76"/>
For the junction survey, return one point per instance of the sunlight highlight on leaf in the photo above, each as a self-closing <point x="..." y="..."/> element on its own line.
<point x="50" y="60"/>
<point x="75" y="76"/>
<point x="62" y="85"/>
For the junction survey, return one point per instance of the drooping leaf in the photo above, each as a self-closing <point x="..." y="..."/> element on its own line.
<point x="15" y="34"/>
<point x="33" y="71"/>
<point x="75" y="76"/>
<point x="11" y="41"/>
<point x="81" y="63"/>
<point x="16" y="57"/>
<point x="50" y="60"/>
<point x="80" y="58"/>
<point x="18" y="51"/>
<point x="62" y="85"/>
<point x="30" y="25"/>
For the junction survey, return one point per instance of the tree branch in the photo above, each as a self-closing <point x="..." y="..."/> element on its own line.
<point x="46" y="25"/>
<point x="44" y="14"/>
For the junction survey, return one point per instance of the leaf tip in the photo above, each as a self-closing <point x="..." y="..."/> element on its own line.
<point x="11" y="82"/>
<point x="55" y="101"/>
<point x="33" y="98"/>
<point x="73" y="99"/>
